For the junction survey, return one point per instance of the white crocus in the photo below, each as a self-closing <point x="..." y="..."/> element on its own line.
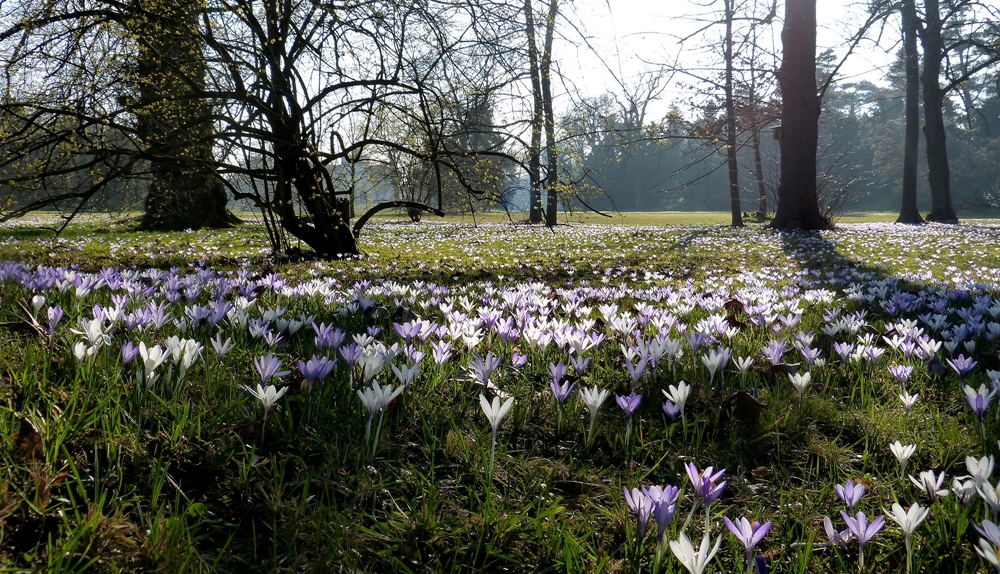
<point x="743" y="364"/>
<point x="931" y="484"/>
<point x="713" y="361"/>
<point x="406" y="374"/>
<point x="902" y="454"/>
<point x="495" y="412"/>
<point x="908" y="401"/>
<point x="990" y="495"/>
<point x="82" y="351"/>
<point x="267" y="396"/>
<point x="695" y="561"/>
<point x="593" y="398"/>
<point x="908" y="521"/>
<point x="801" y="382"/>
<point x="152" y="358"/>
<point x="980" y="470"/>
<point x="221" y="347"/>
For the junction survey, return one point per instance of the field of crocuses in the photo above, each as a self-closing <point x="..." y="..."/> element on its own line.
<point x="502" y="398"/>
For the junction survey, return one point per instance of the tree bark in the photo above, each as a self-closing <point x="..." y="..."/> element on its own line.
<point x="552" y="157"/>
<point x="938" y="170"/>
<point x="534" y="154"/>
<point x="734" y="174"/>
<point x="798" y="204"/>
<point x="175" y="125"/>
<point x="908" y="212"/>
<point x="758" y="170"/>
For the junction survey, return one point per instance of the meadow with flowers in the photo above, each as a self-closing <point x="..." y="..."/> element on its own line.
<point x="501" y="398"/>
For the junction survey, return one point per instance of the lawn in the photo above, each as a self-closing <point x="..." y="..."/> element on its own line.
<point x="494" y="397"/>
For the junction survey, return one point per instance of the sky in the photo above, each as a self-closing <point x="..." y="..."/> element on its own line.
<point x="629" y="33"/>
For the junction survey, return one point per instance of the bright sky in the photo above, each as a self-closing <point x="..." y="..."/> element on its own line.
<point x="626" y="32"/>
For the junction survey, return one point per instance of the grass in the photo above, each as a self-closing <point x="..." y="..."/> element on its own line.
<point x="104" y="474"/>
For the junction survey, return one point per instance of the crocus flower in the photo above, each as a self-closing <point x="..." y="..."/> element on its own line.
<point x="801" y="382"/>
<point x="713" y="361"/>
<point x="749" y="534"/>
<point x="267" y="396"/>
<point x="863" y="531"/>
<point x="129" y="352"/>
<point x="316" y="369"/>
<point x="482" y="368"/>
<point x="989" y="543"/>
<point x="964" y="489"/>
<point x="980" y="470"/>
<point x="962" y="365"/>
<point x="629" y="404"/>
<point x="664" y="505"/>
<point x="978" y="400"/>
<point x="495" y="412"/>
<point x="561" y="392"/>
<point x="222" y="348"/>
<point x="908" y="401"/>
<point x="850" y="493"/>
<point x="406" y="374"/>
<point x="54" y="314"/>
<point x="695" y="561"/>
<point x="902" y="453"/>
<point x="641" y="506"/>
<point x="268" y="367"/>
<point x="679" y="395"/>
<point x="908" y="521"/>
<point x="671" y="410"/>
<point x="593" y="398"/>
<point x="930" y="484"/>
<point x="833" y="536"/>
<point x="705" y="484"/>
<point x="901" y="372"/>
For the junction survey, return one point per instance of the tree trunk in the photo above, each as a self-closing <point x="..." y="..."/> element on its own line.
<point x="908" y="212"/>
<point x="938" y="171"/>
<point x="758" y="170"/>
<point x="798" y="204"/>
<point x="734" y="174"/>
<point x="552" y="157"/>
<point x="534" y="154"/>
<point x="174" y="124"/>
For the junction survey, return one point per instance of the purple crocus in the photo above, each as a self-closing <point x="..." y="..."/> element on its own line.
<point x="54" y="315"/>
<point x="850" y="493"/>
<point x="129" y="352"/>
<point x="561" y="391"/>
<point x="629" y="404"/>
<point x="901" y="372"/>
<point x="863" y="531"/>
<point x="671" y="410"/>
<point x="640" y="505"/>
<point x="441" y="351"/>
<point x="706" y="485"/>
<point x="664" y="500"/>
<point x="268" y="367"/>
<point x="517" y="360"/>
<point x="774" y="350"/>
<point x="482" y="368"/>
<point x="749" y="534"/>
<point x="316" y="369"/>
<point x="978" y="400"/>
<point x="962" y="365"/>
<point x="557" y="371"/>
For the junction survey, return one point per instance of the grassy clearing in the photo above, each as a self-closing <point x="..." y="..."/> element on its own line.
<point x="113" y="466"/>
